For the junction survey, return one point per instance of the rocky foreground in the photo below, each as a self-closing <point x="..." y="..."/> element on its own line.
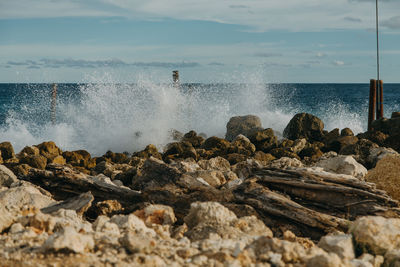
<point x="312" y="198"/>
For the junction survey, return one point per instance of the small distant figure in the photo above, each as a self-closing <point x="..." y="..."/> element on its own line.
<point x="175" y="78"/>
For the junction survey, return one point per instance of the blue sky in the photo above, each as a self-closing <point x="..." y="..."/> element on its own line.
<point x="207" y="40"/>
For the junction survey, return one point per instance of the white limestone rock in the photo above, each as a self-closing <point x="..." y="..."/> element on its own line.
<point x="68" y="239"/>
<point x="343" y="165"/>
<point x="7" y="177"/>
<point x="340" y="244"/>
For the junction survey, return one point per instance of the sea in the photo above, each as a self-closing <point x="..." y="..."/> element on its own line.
<point x="125" y="117"/>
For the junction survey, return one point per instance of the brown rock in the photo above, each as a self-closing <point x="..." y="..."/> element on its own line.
<point x="216" y="143"/>
<point x="38" y="162"/>
<point x="149" y="151"/>
<point x="108" y="207"/>
<point x="242" y="145"/>
<point x="194" y="139"/>
<point x="29" y="150"/>
<point x="7" y="150"/>
<point x="246" y="125"/>
<point x="395" y="115"/>
<point x="263" y="157"/>
<point x="58" y="160"/>
<point x="49" y="150"/>
<point x="182" y="149"/>
<point x="281" y="152"/>
<point x="304" y="125"/>
<point x="346" y="132"/>
<point x="264" y="140"/>
<point x="234" y="158"/>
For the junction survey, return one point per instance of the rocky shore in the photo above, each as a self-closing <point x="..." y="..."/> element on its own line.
<point x="304" y="197"/>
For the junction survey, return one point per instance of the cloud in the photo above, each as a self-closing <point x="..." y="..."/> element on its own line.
<point x="261" y="54"/>
<point x="392" y="23"/>
<point x="82" y="63"/>
<point x="293" y="15"/>
<point x="216" y="64"/>
<point x="353" y="19"/>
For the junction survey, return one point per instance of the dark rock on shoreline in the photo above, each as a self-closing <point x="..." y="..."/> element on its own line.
<point x="304" y="125"/>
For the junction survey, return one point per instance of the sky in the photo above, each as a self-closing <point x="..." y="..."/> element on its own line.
<point x="304" y="41"/>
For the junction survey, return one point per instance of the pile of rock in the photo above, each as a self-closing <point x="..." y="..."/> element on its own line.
<point x="248" y="200"/>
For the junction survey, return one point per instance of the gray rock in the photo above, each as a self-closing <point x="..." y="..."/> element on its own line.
<point x="343" y="165"/>
<point x="7" y="177"/>
<point x="246" y="125"/>
<point x="341" y="244"/>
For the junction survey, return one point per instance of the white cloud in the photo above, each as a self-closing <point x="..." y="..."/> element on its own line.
<point x="293" y="15"/>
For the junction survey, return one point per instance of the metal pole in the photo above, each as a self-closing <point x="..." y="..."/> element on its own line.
<point x="372" y="102"/>
<point x="53" y="104"/>
<point x="379" y="88"/>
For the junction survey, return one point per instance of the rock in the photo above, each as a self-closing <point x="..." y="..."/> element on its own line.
<point x="393" y="141"/>
<point x="49" y="150"/>
<point x="179" y="150"/>
<point x="343" y="165"/>
<point x="149" y="151"/>
<point x="304" y="125"/>
<point x="242" y="145"/>
<point x="312" y="152"/>
<point x="392" y="258"/>
<point x="368" y="260"/>
<point x="245" y="125"/>
<point x="359" y="150"/>
<point x="378" y="153"/>
<point x="194" y="139"/>
<point x="216" y="143"/>
<point x="20" y="169"/>
<point x="133" y="224"/>
<point x="395" y="115"/>
<point x="29" y="150"/>
<point x="206" y="219"/>
<point x="375" y="234"/>
<point x="346" y="132"/>
<point x="340" y="244"/>
<point x="213" y="178"/>
<point x="108" y="207"/>
<point x="19" y="200"/>
<point x="298" y="145"/>
<point x="235" y="158"/>
<point x="157" y="214"/>
<point x="264" y="140"/>
<point x="69" y="240"/>
<point x="341" y="143"/>
<point x="80" y="158"/>
<point x="285" y="162"/>
<point x="282" y="152"/>
<point x="210" y="212"/>
<point x="387" y="126"/>
<point x="264" y="158"/>
<point x="137" y="243"/>
<point x="116" y="157"/>
<point x="327" y="260"/>
<point x="7" y="150"/>
<point x="7" y="177"/>
<point x="58" y="160"/>
<point x="331" y="136"/>
<point x="38" y="162"/>
<point x="386" y="175"/>
<point x="217" y="163"/>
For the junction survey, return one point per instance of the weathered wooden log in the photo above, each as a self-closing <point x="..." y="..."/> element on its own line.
<point x="80" y="204"/>
<point x="64" y="182"/>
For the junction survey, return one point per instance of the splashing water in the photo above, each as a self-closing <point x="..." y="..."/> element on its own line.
<point x="103" y="115"/>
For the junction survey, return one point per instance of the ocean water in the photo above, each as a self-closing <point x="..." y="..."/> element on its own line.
<point x="105" y="116"/>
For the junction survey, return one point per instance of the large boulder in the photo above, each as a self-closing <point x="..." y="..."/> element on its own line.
<point x="386" y="175"/>
<point x="343" y="165"/>
<point x="246" y="125"/>
<point x="49" y="150"/>
<point x="304" y="125"/>
<point x="375" y="234"/>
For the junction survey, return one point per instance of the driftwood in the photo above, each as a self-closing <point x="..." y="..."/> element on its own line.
<point x="64" y="182"/>
<point x="80" y="204"/>
<point x="308" y="201"/>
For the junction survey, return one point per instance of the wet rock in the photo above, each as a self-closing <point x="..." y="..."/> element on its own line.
<point x="116" y="157"/>
<point x="387" y="126"/>
<point x="38" y="162"/>
<point x="340" y="244"/>
<point x="49" y="150"/>
<point x="246" y="125"/>
<point x="304" y="125"/>
<point x="69" y="240"/>
<point x="386" y="175"/>
<point x="217" y="144"/>
<point x="7" y="177"/>
<point x="264" y="158"/>
<point x="217" y="163"/>
<point x="29" y="150"/>
<point x="312" y="152"/>
<point x="343" y="165"/>
<point x="360" y="150"/>
<point x="80" y="158"/>
<point x="150" y="151"/>
<point x="264" y="140"/>
<point x="282" y="152"/>
<point x="242" y="145"/>
<point x="331" y="136"/>
<point x="194" y="139"/>
<point x="7" y="150"/>
<point x="235" y="158"/>
<point x="376" y="235"/>
<point x="346" y="132"/>
<point x="341" y="143"/>
<point x="157" y="214"/>
<point x="16" y="201"/>
<point x="179" y="150"/>
<point x="393" y="141"/>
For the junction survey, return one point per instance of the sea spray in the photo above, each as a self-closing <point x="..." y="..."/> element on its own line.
<point x="101" y="115"/>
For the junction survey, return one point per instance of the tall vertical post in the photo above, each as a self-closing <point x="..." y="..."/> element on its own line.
<point x="175" y="78"/>
<point x="372" y="102"/>
<point x="379" y="114"/>
<point x="53" y="103"/>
